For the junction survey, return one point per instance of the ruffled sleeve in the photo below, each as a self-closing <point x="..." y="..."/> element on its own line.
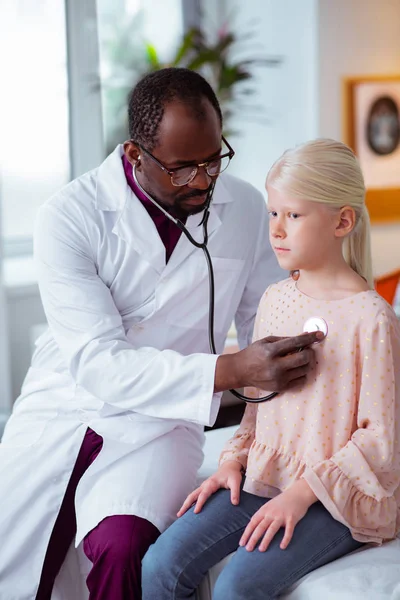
<point x="359" y="485"/>
<point x="237" y="448"/>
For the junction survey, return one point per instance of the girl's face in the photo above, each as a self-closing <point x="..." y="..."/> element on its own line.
<point x="303" y="234"/>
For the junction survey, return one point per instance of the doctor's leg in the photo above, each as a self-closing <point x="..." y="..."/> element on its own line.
<point x="116" y="548"/>
<point x="65" y="526"/>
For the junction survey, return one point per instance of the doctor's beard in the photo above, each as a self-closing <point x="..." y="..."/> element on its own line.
<point x="181" y="210"/>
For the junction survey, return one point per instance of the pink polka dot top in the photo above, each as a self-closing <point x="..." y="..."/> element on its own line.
<point x="341" y="430"/>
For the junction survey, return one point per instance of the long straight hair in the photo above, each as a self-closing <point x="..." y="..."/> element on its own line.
<point x="328" y="172"/>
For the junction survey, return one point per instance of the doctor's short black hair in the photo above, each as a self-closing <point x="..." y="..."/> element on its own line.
<point x="149" y="97"/>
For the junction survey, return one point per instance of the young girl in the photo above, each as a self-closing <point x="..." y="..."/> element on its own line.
<point x="321" y="463"/>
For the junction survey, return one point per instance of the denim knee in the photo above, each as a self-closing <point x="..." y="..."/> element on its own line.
<point x="158" y="572"/>
<point x="151" y="566"/>
<point x="164" y="570"/>
<point x="236" y="585"/>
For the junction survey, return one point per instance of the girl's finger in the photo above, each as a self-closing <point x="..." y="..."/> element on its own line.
<point x="202" y="499"/>
<point x="191" y="499"/>
<point x="258" y="533"/>
<point x="234" y="485"/>
<point x="269" y="536"/>
<point x="289" y="529"/>
<point x="249" y="529"/>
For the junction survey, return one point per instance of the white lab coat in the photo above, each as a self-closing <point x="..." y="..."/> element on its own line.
<point x="127" y="354"/>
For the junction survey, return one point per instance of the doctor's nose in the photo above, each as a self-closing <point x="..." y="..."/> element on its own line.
<point x="202" y="180"/>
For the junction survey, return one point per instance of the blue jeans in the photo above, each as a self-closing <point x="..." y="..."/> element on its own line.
<point x="175" y="565"/>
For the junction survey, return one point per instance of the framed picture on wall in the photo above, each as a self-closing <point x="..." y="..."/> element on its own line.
<point x="371" y="126"/>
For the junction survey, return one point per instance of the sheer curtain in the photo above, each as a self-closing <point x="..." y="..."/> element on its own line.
<point x="5" y="393"/>
<point x="5" y="385"/>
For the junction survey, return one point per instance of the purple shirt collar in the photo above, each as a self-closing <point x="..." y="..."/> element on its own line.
<point x="167" y="230"/>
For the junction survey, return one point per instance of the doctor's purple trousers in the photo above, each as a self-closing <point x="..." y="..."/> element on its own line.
<point x="115" y="547"/>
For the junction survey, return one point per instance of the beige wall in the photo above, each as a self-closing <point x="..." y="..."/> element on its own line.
<point x="358" y="37"/>
<point x="287" y="95"/>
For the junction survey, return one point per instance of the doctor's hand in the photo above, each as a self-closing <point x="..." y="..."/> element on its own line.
<point x="228" y="476"/>
<point x="271" y="363"/>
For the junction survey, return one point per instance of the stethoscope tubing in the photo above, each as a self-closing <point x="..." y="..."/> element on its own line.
<point x="211" y="279"/>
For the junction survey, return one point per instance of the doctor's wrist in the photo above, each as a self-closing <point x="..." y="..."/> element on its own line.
<point x="227" y="373"/>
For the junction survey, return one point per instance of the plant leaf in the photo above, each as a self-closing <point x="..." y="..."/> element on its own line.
<point x="184" y="48"/>
<point x="152" y="57"/>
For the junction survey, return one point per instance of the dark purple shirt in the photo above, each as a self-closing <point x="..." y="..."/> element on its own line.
<point x="167" y="230"/>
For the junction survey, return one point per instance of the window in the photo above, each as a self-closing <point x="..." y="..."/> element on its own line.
<point x="34" y="140"/>
<point x="50" y="112"/>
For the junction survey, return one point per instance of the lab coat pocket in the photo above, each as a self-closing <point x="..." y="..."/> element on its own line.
<point x="193" y="312"/>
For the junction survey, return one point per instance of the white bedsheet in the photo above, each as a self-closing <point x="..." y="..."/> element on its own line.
<point x="372" y="573"/>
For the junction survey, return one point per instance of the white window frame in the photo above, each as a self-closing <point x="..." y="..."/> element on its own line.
<point x="85" y="113"/>
<point x="5" y="372"/>
<point x="191" y="13"/>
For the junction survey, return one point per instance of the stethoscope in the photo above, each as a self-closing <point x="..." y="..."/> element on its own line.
<point x="313" y="324"/>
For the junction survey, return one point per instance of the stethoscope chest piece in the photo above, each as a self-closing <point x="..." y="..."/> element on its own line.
<point x="316" y="324"/>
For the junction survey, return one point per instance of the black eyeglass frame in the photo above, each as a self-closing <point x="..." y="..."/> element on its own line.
<point x="230" y="154"/>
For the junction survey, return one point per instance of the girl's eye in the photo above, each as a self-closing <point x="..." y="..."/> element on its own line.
<point x="294" y="215"/>
<point x="272" y="213"/>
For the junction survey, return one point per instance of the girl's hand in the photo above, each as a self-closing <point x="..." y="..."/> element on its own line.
<point x="228" y="476"/>
<point x="285" y="510"/>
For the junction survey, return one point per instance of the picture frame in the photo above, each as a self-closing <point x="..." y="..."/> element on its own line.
<point x="371" y="127"/>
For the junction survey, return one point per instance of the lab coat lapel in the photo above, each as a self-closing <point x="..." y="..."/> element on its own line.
<point x="184" y="248"/>
<point x="134" y="225"/>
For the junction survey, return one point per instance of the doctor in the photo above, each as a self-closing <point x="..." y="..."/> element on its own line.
<point x="106" y="438"/>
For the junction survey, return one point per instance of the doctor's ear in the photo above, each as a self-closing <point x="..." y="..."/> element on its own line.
<point x="346" y="221"/>
<point x="132" y="152"/>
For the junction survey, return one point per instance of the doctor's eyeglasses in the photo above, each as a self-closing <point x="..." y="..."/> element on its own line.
<point x="184" y="175"/>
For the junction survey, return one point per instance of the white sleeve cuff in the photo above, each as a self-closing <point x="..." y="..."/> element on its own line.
<point x="210" y="401"/>
<point x="215" y="404"/>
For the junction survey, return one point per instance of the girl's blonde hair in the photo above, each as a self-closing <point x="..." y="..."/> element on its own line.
<point x="328" y="172"/>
